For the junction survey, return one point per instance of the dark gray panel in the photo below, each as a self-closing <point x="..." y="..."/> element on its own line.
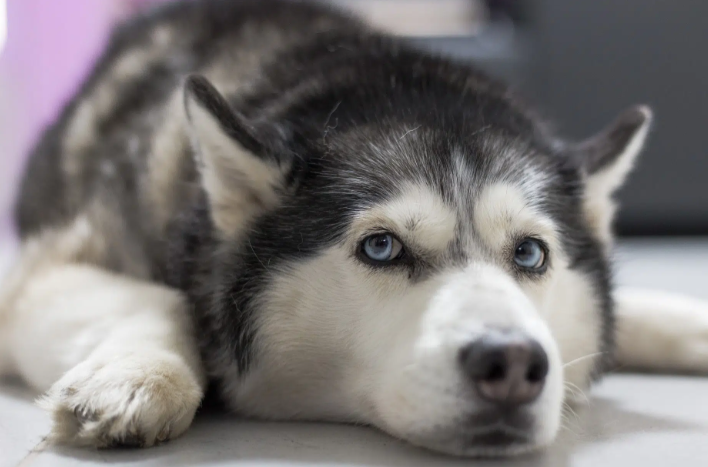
<point x="594" y="57"/>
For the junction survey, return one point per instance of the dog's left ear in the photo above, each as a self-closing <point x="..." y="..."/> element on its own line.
<point x="244" y="163"/>
<point x="606" y="159"/>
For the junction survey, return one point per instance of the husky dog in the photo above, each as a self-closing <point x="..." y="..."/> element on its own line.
<point x="324" y="224"/>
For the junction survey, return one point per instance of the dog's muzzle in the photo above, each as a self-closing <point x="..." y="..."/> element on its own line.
<point x="506" y="370"/>
<point x="483" y="373"/>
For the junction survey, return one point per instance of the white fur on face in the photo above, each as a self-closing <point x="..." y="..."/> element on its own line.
<point x="564" y="298"/>
<point x="425" y="397"/>
<point x="417" y="216"/>
<point x="339" y="340"/>
<point x="318" y="313"/>
<point x="503" y="210"/>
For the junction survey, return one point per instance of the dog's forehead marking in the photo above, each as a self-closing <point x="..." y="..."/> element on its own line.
<point x="474" y="205"/>
<point x="417" y="213"/>
<point x="503" y="209"/>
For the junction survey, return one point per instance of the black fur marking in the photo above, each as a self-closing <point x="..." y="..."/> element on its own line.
<point x="209" y="98"/>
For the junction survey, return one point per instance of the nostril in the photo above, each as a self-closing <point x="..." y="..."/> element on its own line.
<point x="485" y="360"/>
<point x="538" y="363"/>
<point x="495" y="372"/>
<point x="535" y="374"/>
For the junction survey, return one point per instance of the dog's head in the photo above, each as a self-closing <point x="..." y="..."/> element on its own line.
<point x="411" y="249"/>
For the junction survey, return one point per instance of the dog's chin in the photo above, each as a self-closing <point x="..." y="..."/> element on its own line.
<point x="504" y="437"/>
<point x="490" y="444"/>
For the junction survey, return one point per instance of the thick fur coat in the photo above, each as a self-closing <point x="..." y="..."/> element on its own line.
<point x="215" y="206"/>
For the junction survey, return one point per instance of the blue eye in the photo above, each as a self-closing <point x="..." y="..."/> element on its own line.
<point x="382" y="248"/>
<point x="529" y="254"/>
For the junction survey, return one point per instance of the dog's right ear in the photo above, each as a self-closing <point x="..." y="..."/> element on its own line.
<point x="243" y="164"/>
<point x="606" y="159"/>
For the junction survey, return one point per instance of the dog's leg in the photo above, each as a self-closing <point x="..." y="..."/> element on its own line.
<point x="116" y="354"/>
<point x="661" y="331"/>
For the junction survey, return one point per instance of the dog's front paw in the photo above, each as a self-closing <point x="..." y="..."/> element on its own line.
<point x="127" y="401"/>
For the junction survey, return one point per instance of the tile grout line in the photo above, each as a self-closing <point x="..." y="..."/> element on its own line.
<point x="33" y="453"/>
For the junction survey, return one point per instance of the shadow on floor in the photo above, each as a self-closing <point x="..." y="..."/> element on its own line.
<point x="217" y="439"/>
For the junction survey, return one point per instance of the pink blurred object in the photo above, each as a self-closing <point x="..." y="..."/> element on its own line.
<point x="50" y="48"/>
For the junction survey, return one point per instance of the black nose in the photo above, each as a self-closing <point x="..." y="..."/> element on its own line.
<point x="507" y="367"/>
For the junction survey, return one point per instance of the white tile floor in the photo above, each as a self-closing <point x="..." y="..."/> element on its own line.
<point x="631" y="420"/>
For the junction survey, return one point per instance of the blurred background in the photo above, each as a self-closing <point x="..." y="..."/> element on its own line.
<point x="580" y="62"/>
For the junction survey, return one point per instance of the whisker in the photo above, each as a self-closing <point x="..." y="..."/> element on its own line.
<point x="572" y="425"/>
<point x="566" y="427"/>
<point x="568" y="410"/>
<point x="580" y="359"/>
<point x="575" y="390"/>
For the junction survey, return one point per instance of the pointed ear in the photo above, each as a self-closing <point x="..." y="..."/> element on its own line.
<point x="609" y="156"/>
<point x="607" y="159"/>
<point x="243" y="165"/>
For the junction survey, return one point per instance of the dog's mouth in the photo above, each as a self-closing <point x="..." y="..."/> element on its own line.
<point x="501" y="440"/>
<point x="498" y="436"/>
<point x="489" y="444"/>
<point x="505" y="435"/>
